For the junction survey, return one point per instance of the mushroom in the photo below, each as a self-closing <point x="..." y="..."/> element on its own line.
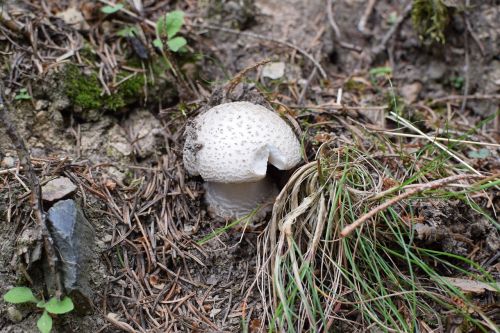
<point x="229" y="146"/>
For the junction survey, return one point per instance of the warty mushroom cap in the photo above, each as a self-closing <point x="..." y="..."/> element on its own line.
<point x="233" y="142"/>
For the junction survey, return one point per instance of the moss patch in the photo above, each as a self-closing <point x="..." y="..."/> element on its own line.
<point x="430" y="18"/>
<point x="85" y="91"/>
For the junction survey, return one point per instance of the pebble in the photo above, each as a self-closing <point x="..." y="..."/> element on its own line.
<point x="57" y="189"/>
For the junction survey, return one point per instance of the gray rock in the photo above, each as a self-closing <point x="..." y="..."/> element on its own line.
<point x="411" y="91"/>
<point x="436" y="70"/>
<point x="143" y="128"/>
<point x="57" y="189"/>
<point x="8" y="162"/>
<point x="274" y="70"/>
<point x="74" y="240"/>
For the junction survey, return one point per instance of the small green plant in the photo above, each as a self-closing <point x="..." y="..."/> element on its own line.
<point x="457" y="82"/>
<point x="128" y="31"/>
<point x="167" y="27"/>
<point x="392" y="18"/>
<point x="18" y="295"/>
<point x="22" y="95"/>
<point x="430" y="18"/>
<point x="380" y="71"/>
<point x="111" y="9"/>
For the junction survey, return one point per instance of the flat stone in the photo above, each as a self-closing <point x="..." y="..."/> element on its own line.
<point x="436" y="70"/>
<point x="74" y="240"/>
<point x="411" y="91"/>
<point x="143" y="129"/>
<point x="57" y="189"/>
<point x="273" y="70"/>
<point x="8" y="162"/>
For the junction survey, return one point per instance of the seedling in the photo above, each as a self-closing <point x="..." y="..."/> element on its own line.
<point x="22" y="95"/>
<point x="168" y="26"/>
<point x="457" y="82"/>
<point x="18" y="295"/>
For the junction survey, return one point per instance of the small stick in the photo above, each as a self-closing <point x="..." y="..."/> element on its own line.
<point x="368" y="11"/>
<point x="333" y="24"/>
<point x="429" y="186"/>
<point x="461" y="97"/>
<point x="479" y="143"/>
<point x="238" y="77"/>
<point x="466" y="63"/>
<point x="383" y="44"/>
<point x="36" y="191"/>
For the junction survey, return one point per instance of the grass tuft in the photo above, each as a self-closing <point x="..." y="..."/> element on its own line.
<point x="313" y="280"/>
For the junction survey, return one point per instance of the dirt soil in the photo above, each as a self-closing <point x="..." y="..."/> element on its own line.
<point x="153" y="271"/>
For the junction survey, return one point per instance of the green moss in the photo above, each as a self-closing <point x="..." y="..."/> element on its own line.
<point x="132" y="87"/>
<point x="85" y="91"/>
<point x="354" y="86"/>
<point x="430" y="18"/>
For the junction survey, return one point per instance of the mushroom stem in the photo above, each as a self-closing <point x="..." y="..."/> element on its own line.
<point x="235" y="200"/>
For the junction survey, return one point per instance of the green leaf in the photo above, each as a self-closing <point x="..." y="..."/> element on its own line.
<point x="19" y="295"/>
<point x="112" y="9"/>
<point x="170" y="24"/>
<point x="380" y="71"/>
<point x="23" y="94"/>
<point x="59" y="307"/>
<point x="176" y="43"/>
<point x="44" y="323"/>
<point x="158" y="43"/>
<point x="41" y="304"/>
<point x="127" y="32"/>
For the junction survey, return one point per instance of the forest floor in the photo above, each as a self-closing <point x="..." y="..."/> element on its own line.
<point x="387" y="97"/>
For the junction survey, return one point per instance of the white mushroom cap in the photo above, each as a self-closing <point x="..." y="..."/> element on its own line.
<point x="233" y="142"/>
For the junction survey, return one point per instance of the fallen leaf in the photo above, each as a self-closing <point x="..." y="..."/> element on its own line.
<point x="472" y="286"/>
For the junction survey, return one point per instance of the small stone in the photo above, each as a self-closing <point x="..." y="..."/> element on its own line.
<point x="214" y="312"/>
<point x="274" y="70"/>
<point x="118" y="142"/>
<point x="107" y="238"/>
<point x="74" y="241"/>
<point x="212" y="279"/>
<point x="72" y="16"/>
<point x="411" y="91"/>
<point x="14" y="314"/>
<point x="57" y="189"/>
<point x="8" y="162"/>
<point x="188" y="229"/>
<point x="376" y="116"/>
<point x="436" y="70"/>
<point x="41" y="104"/>
<point x="143" y="127"/>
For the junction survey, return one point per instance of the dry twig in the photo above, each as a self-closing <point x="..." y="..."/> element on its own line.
<point x="336" y="30"/>
<point x="429" y="186"/>
<point x="395" y="27"/>
<point x="36" y="192"/>
<point x="366" y="14"/>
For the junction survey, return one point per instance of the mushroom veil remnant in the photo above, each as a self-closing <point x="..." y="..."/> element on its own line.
<point x="229" y="146"/>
